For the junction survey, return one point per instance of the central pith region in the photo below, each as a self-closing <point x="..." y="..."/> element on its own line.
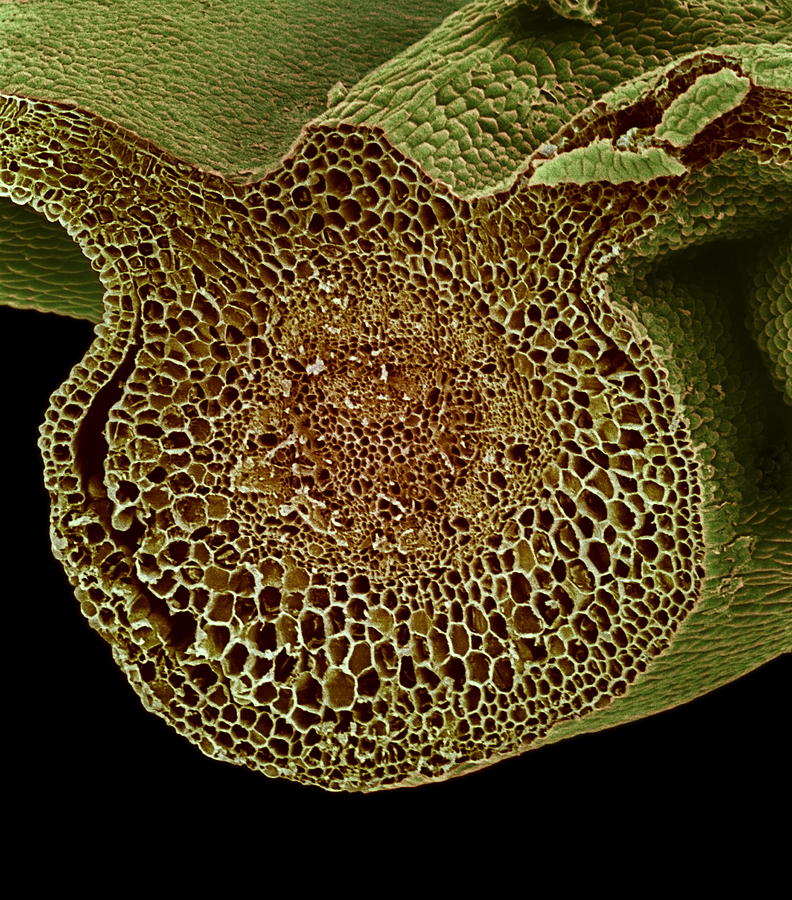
<point x="382" y="431"/>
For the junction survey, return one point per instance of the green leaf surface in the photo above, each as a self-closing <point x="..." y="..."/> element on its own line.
<point x="710" y="96"/>
<point x="491" y="85"/>
<point x="536" y="120"/>
<point x="601" y="161"/>
<point x="225" y="85"/>
<point x="41" y="268"/>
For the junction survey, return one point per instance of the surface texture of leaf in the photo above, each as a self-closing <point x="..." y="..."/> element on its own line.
<point x="651" y="459"/>
<point x="41" y="267"/>
<point x="495" y="82"/>
<point x="225" y="85"/>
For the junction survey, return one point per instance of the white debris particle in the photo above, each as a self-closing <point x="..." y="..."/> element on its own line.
<point x="392" y="500"/>
<point x="79" y="521"/>
<point x="316" y="367"/>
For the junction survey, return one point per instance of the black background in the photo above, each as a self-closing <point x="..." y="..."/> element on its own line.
<point x="80" y="742"/>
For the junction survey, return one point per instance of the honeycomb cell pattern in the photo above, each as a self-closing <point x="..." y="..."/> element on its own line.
<point x="365" y="484"/>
